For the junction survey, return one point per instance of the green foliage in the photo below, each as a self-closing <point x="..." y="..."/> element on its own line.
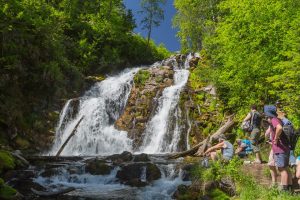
<point x="251" y="48"/>
<point x="6" y="161"/>
<point x="141" y="77"/>
<point x="6" y="192"/>
<point x="48" y="47"/>
<point x="217" y="194"/>
<point x="247" y="187"/>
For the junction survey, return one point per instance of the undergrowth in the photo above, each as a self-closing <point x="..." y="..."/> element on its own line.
<point x="246" y="186"/>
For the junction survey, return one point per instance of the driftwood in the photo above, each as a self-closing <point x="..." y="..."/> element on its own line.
<point x="17" y="154"/>
<point x="199" y="149"/>
<point x="68" y="139"/>
<point x="52" y="193"/>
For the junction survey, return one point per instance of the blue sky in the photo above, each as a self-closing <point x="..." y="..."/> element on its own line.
<point x="165" y="33"/>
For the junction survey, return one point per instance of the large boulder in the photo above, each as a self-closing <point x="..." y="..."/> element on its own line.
<point x="98" y="167"/>
<point x="141" y="158"/>
<point x="138" y="174"/>
<point x="120" y="158"/>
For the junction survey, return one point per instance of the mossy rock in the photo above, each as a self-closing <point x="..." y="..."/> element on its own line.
<point x="21" y="143"/>
<point x="6" y="192"/>
<point x="141" y="77"/>
<point x="218" y="194"/>
<point x="6" y="161"/>
<point x="98" y="167"/>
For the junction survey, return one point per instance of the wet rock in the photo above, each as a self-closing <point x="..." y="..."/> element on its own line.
<point x="187" y="169"/>
<point x="153" y="172"/>
<point x="141" y="158"/>
<point x="50" y="172"/>
<point x="120" y="158"/>
<point x="182" y="190"/>
<point x="138" y="174"/>
<point x="148" y="87"/>
<point x="98" y="167"/>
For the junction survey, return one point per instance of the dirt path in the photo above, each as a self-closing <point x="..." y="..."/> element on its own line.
<point x="262" y="175"/>
<point x="260" y="172"/>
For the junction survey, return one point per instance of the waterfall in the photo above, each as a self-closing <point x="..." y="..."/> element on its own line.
<point x="101" y="106"/>
<point x="158" y="128"/>
<point x="104" y="103"/>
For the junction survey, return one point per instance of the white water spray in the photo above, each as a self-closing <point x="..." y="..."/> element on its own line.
<point x="101" y="106"/>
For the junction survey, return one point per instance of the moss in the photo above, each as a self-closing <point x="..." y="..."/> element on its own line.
<point x="141" y="77"/>
<point x="6" y="161"/>
<point x="22" y="143"/>
<point x="6" y="192"/>
<point x="218" y="194"/>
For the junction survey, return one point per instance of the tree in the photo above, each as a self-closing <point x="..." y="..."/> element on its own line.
<point x="153" y="14"/>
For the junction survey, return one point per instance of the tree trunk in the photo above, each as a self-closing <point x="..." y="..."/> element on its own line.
<point x="52" y="193"/>
<point x="199" y="149"/>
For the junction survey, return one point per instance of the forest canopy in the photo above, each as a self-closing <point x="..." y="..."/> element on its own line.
<point x="48" y="47"/>
<point x="250" y="49"/>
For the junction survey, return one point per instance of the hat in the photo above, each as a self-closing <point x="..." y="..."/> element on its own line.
<point x="270" y="111"/>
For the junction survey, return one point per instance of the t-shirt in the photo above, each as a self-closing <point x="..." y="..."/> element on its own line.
<point x="282" y="144"/>
<point x="227" y="150"/>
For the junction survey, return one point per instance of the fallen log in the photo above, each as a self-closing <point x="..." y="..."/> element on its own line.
<point x="202" y="145"/>
<point x="52" y="193"/>
<point x="68" y="139"/>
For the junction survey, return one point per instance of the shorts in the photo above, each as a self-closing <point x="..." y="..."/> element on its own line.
<point x="254" y="137"/>
<point x="281" y="159"/>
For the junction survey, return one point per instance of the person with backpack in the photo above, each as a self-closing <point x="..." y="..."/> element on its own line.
<point x="280" y="145"/>
<point x="289" y="131"/>
<point x="254" y="120"/>
<point x="244" y="148"/>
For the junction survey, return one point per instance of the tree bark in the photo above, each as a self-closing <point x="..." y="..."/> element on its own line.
<point x="52" y="193"/>
<point x="199" y="149"/>
<point x="68" y="139"/>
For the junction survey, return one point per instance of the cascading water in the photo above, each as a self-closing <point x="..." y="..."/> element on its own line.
<point x="96" y="135"/>
<point x="101" y="106"/>
<point x="158" y="129"/>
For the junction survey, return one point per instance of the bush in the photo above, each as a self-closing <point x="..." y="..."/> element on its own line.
<point x="6" y="161"/>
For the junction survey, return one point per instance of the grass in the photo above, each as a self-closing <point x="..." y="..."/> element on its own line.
<point x="247" y="187"/>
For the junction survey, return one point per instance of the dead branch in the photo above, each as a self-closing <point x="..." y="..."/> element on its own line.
<point x="52" y="193"/>
<point x="68" y="139"/>
<point x="199" y="149"/>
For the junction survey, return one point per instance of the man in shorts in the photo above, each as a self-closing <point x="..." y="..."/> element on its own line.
<point x="280" y="145"/>
<point x="255" y="120"/>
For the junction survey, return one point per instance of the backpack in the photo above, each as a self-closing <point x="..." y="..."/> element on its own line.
<point x="255" y="121"/>
<point x="290" y="133"/>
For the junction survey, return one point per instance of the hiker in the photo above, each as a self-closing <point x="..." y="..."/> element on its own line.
<point x="280" y="146"/>
<point x="223" y="145"/>
<point x="287" y="123"/>
<point x="244" y="148"/>
<point x="254" y="120"/>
